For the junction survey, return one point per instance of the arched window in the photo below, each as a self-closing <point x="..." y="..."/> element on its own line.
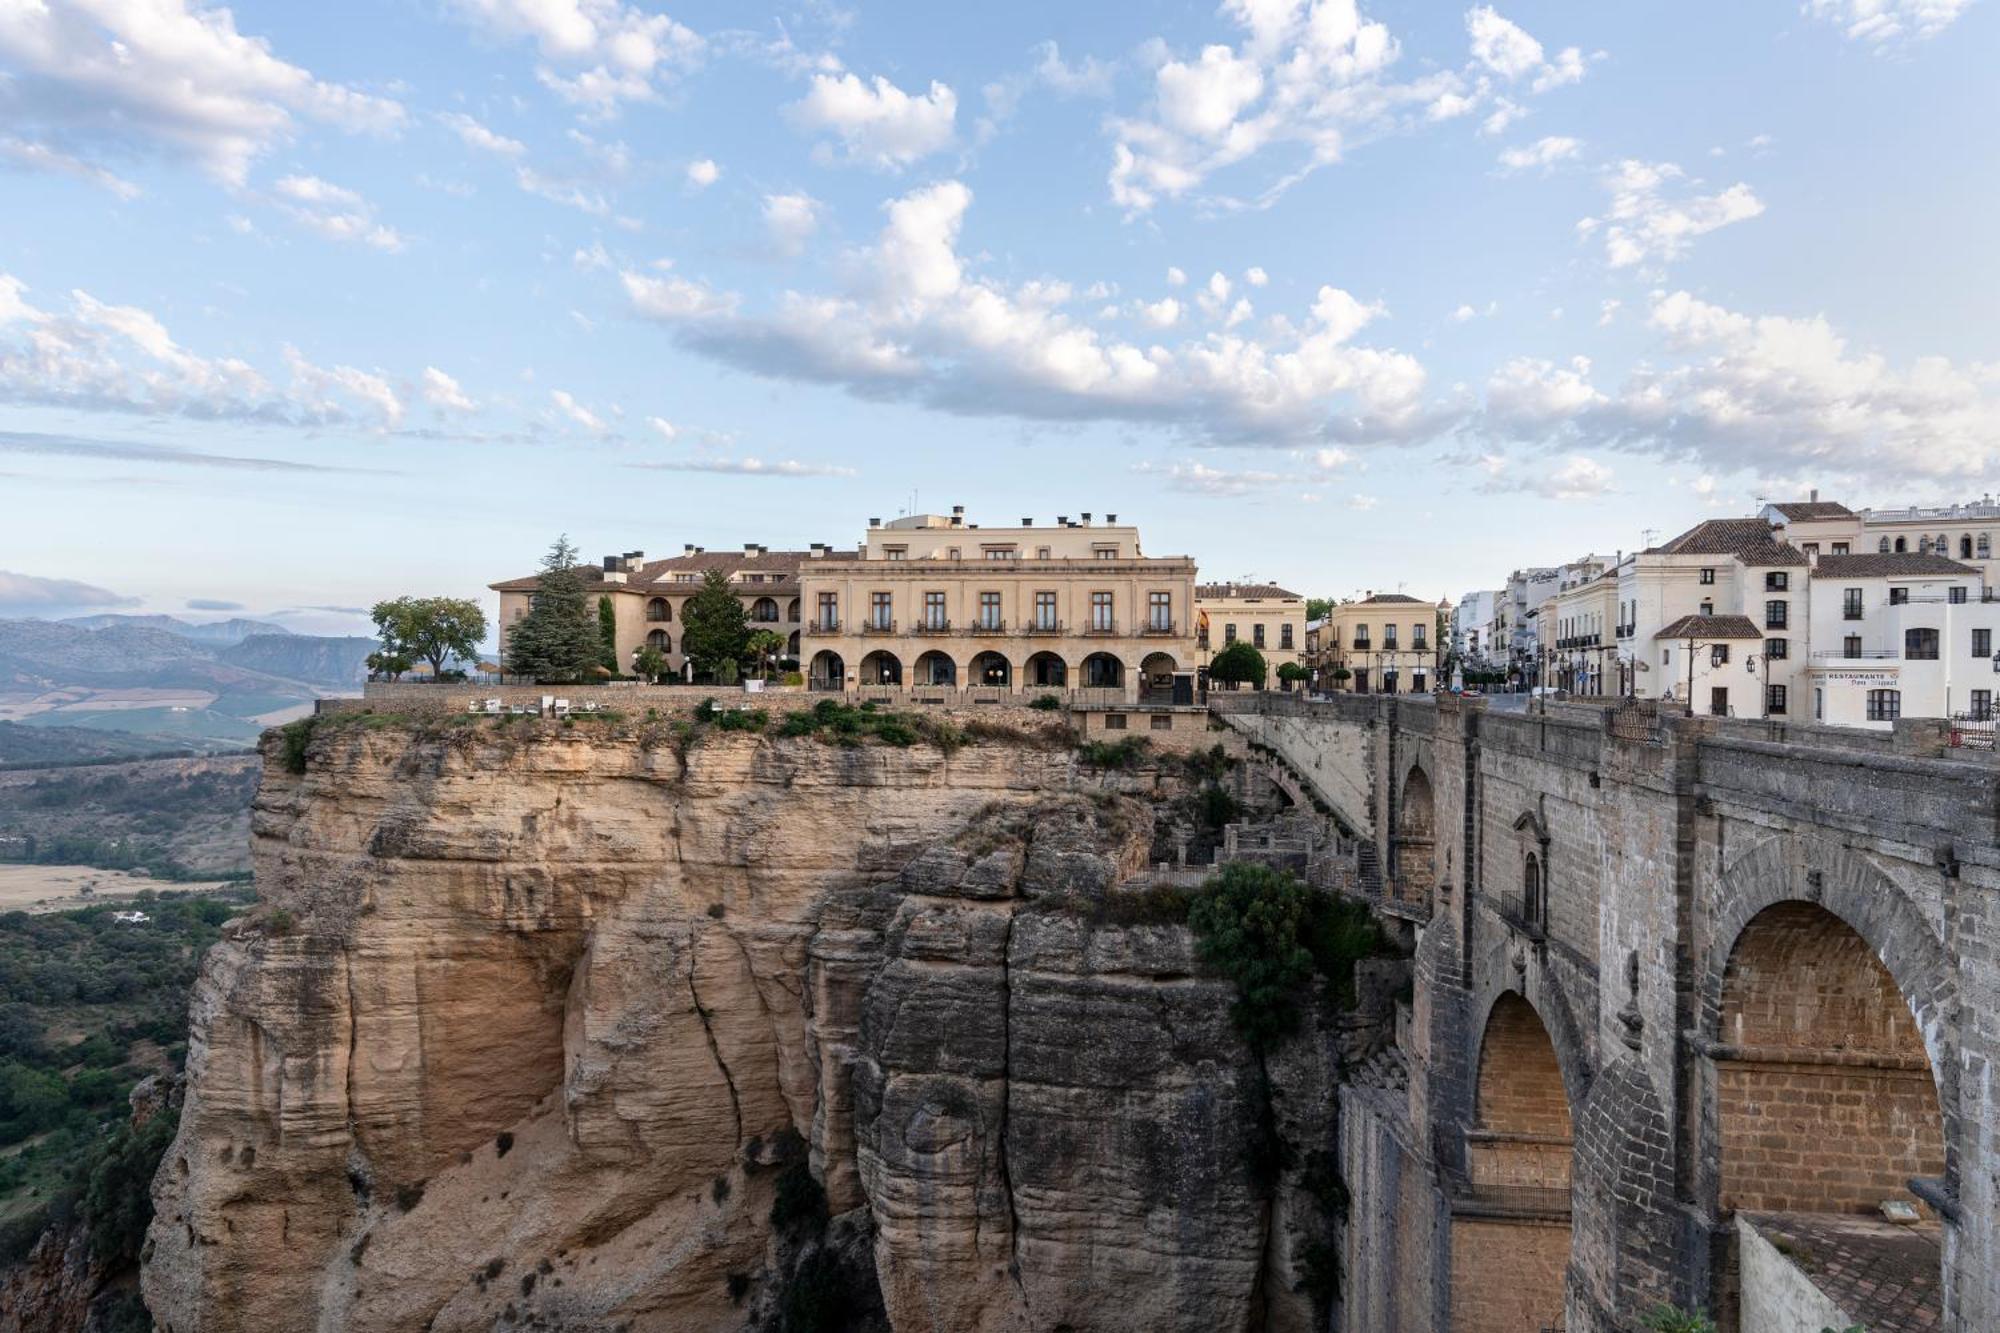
<point x="1965" y="546"/>
<point x="1534" y="893"/>
<point x="1924" y="546"/>
<point x="1901" y="546"/>
<point x="1882" y="547"/>
<point x="658" y="639"/>
<point x="659" y="608"/>
<point x="1985" y="546"/>
<point x="764" y="611"/>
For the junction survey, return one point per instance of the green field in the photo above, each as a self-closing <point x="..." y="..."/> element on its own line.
<point x="191" y="724"/>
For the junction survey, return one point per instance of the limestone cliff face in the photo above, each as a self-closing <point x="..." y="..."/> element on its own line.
<point x="528" y="1026"/>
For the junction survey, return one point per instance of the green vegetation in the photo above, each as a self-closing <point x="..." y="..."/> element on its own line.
<point x="715" y="630"/>
<point x="839" y="723"/>
<point x="177" y="820"/>
<point x="1292" y="673"/>
<point x="607" y="637"/>
<point x="1317" y="608"/>
<point x="296" y="736"/>
<point x="798" y="1206"/>
<point x="1047" y="703"/>
<point x="1238" y="664"/>
<point x="1125" y="752"/>
<point x="1271" y="936"/>
<point x="88" y="1007"/>
<point x="193" y="728"/>
<point x="1668" y="1319"/>
<point x="435" y="629"/>
<point x="762" y="648"/>
<point x="557" y="640"/>
<point x="649" y="664"/>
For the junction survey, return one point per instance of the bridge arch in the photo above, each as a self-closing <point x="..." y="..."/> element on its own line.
<point x="1416" y="839"/>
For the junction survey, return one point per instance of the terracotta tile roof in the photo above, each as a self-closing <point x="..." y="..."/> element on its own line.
<point x="1393" y="597"/>
<point x="1215" y="592"/>
<point x="1717" y="536"/>
<point x="1805" y="511"/>
<point x="1711" y="628"/>
<point x="656" y="575"/>
<point x="1892" y="565"/>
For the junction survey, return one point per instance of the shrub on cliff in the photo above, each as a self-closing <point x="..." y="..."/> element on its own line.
<point x="1271" y="936"/>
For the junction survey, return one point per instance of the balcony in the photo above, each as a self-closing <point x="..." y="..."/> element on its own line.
<point x="987" y="627"/>
<point x="1102" y="627"/>
<point x="823" y="626"/>
<point x="931" y="627"/>
<point x="1157" y="628"/>
<point x="878" y="626"/>
<point x="1363" y="645"/>
<point x="1858" y="655"/>
<point x="1035" y="627"/>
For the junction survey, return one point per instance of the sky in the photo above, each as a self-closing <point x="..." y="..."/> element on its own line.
<point x="303" y="306"/>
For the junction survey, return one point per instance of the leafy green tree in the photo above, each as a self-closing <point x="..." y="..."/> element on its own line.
<point x="557" y="640"/>
<point x="650" y="663"/>
<point x="1317" y="607"/>
<point x="435" y="629"/>
<point x="387" y="664"/>
<point x="1238" y="664"/>
<point x="607" y="635"/>
<point x="1292" y="673"/>
<point x="765" y="647"/>
<point x="715" y="630"/>
<point x="1271" y="935"/>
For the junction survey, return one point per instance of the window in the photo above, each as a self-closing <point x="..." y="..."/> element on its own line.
<point x="1840" y="548"/>
<point x="1884" y="705"/>
<point x="1882" y="547"/>
<point x="1982" y="706"/>
<point x="1777" y="649"/>
<point x="1774" y="700"/>
<point x="1982" y="643"/>
<point x="1707" y="576"/>
<point x="1819" y="705"/>
<point x="879" y="611"/>
<point x="1850" y="604"/>
<point x="1163" y="722"/>
<point x="895" y="553"/>
<point x="1718" y="654"/>
<point x="1899" y="596"/>
<point x="1114" y="722"/>
<point x="1361" y="641"/>
<point x="1965" y="547"/>
<point x="659" y="609"/>
<point x="953" y="553"/>
<point x="1902" y="545"/>
<point x="1160" y="611"/>
<point x="1810" y="548"/>
<point x="1985" y="546"/>
<point x="989" y="610"/>
<point x="1257" y="634"/>
<point x="1708" y="608"/>
<point x="1920" y="644"/>
<point x="1000" y="552"/>
<point x="934" y="610"/>
<point x="1104" y="552"/>
<point x="1955" y="594"/>
<point x="1534" y="893"/>
<point x="1775" y="614"/>
<point x="1045" y="610"/>
<point x="1100" y="612"/>
<point x="1228" y="635"/>
<point x="1041" y="553"/>
<point x="1420" y="637"/>
<point x="1778" y="580"/>
<point x="829" y="611"/>
<point x="1285" y="635"/>
<point x="1389" y="638"/>
<point x="1851" y="646"/>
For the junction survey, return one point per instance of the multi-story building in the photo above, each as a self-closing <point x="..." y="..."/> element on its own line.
<point x="934" y="600"/>
<point x="1271" y="619"/>
<point x="1907" y="634"/>
<point x="1386" y="641"/>
<point x="647" y="596"/>
<point x="1514" y="636"/>
<point x="1579" y="625"/>
<point x="1471" y="625"/>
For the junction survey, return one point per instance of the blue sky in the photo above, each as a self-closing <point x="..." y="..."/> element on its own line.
<point x="301" y="306"/>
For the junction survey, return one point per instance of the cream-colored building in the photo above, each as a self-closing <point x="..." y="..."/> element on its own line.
<point x="647" y="597"/>
<point x="1269" y="618"/>
<point x="931" y="600"/>
<point x="1388" y="642"/>
<point x="1579" y="631"/>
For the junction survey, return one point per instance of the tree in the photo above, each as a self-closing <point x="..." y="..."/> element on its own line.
<point x="607" y="635"/>
<point x="765" y="647"/>
<point x="556" y="641"/>
<point x="435" y="629"/>
<point x="387" y="664"/>
<point x="714" y="628"/>
<point x="1238" y="664"/>
<point x="1318" y="607"/>
<point x="650" y="663"/>
<point x="1292" y="673"/>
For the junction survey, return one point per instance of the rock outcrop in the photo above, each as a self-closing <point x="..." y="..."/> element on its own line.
<point x="534" y="1024"/>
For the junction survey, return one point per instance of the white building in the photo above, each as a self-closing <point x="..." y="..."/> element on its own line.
<point x="1471" y="624"/>
<point x="1901" y="635"/>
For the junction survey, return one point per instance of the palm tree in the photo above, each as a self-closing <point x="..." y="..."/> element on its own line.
<point x="765" y="648"/>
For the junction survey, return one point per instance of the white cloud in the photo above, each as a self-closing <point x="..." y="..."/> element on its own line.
<point x="174" y="77"/>
<point x="916" y="323"/>
<point x="1544" y="153"/>
<point x="1500" y="45"/>
<point x="335" y="212"/>
<point x="1574" y="478"/>
<point x="790" y="220"/>
<point x="32" y="595"/>
<point x="1607" y="310"/>
<point x="664" y="428"/>
<point x="1643" y="226"/>
<point x="1089" y="77"/>
<point x="597" y="54"/>
<point x="748" y="467"/>
<point x="1255" y="276"/>
<point x="476" y="135"/>
<point x="108" y="358"/>
<point x="42" y="158"/>
<point x="1363" y="502"/>
<point x="1884" y="23"/>
<point x="702" y="173"/>
<point x="1201" y="479"/>
<point x="576" y="412"/>
<point x="1465" y="314"/>
<point x="1161" y="314"/>
<point x="1176" y="278"/>
<point x="442" y="391"/>
<point x="557" y="191"/>
<point x="877" y="123"/>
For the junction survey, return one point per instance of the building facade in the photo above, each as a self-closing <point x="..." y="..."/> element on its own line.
<point x="1387" y="642"/>
<point x="1901" y="635"/>
<point x="1269" y="618"/>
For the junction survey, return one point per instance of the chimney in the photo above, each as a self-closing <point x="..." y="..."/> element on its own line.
<point x="874" y="522"/>
<point x="1027" y="522"/>
<point x="1062" y="520"/>
<point x="1813" y="494"/>
<point x="1086" y="518"/>
<point x="750" y="548"/>
<point x="1110" y="518"/>
<point x="958" y="511"/>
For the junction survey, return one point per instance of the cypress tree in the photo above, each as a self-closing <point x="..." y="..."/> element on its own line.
<point x="557" y="642"/>
<point x="607" y="634"/>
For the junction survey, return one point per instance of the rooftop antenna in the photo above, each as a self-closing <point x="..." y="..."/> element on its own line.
<point x="1646" y="536"/>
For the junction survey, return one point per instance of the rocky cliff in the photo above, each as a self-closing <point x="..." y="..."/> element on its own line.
<point x="598" y="1028"/>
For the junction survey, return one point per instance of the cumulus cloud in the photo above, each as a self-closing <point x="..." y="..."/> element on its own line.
<point x="337" y="213"/>
<point x="40" y="157"/>
<point x="1544" y="153"/>
<point x="1646" y="224"/>
<point x="918" y="322"/>
<point x="1885" y="23"/>
<point x="443" y="392"/>
<point x="1311" y="76"/>
<point x="1089" y="77"/>
<point x="101" y="357"/>
<point x="1770" y="392"/>
<point x="31" y="595"/>
<point x="475" y="135"/>
<point x="596" y="54"/>
<point x="1200" y="479"/>
<point x="568" y="193"/>
<point x="790" y="220"/>
<point x="1572" y="478"/>
<point x="877" y="123"/>
<point x="702" y="173"/>
<point x="166" y="76"/>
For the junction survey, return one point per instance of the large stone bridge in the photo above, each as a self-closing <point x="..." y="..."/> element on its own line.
<point x="1683" y="986"/>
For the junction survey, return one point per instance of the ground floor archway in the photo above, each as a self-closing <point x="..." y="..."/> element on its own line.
<point x="990" y="668"/>
<point x="1103" y="671"/>
<point x="936" y="668"/>
<point x="828" y="671"/>
<point x="881" y="668"/>
<point x="1046" y="670"/>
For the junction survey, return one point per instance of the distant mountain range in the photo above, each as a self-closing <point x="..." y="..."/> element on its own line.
<point x="220" y="632"/>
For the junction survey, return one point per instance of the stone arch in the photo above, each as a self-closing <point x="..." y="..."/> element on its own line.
<point x="659" y="639"/>
<point x="1045" y="670"/>
<point x="792" y="610"/>
<point x="792" y="646"/>
<point x="828" y="671"/>
<point x="764" y="611"/>
<point x="1511" y="1235"/>
<point x="1156" y="674"/>
<point x="935" y="668"/>
<point x="881" y="667"/>
<point x="1416" y="837"/>
<point x="990" y="668"/>
<point x="1102" y="671"/>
